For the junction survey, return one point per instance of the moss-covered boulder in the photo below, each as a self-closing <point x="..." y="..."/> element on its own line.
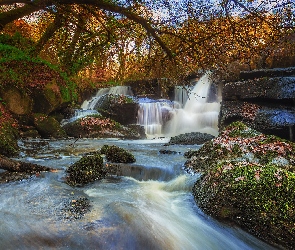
<point x="248" y="178"/>
<point x="117" y="154"/>
<point x="48" y="127"/>
<point x="8" y="133"/>
<point x="88" y="169"/>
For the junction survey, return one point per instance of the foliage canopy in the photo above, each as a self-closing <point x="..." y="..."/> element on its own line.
<point x="131" y="39"/>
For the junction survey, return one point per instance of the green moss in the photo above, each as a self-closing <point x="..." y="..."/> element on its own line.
<point x="8" y="141"/>
<point x="119" y="155"/>
<point x="242" y="182"/>
<point x="239" y="129"/>
<point x="47" y="126"/>
<point x="86" y="170"/>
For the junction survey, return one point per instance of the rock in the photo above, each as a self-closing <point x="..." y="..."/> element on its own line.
<point x="265" y="103"/>
<point x="17" y="170"/>
<point x="274" y="119"/>
<point x="97" y="126"/>
<point x="248" y="178"/>
<point x="8" y="133"/>
<point x="118" y="155"/>
<point x="190" y="138"/>
<point x="277" y="88"/>
<point x="17" y="101"/>
<point x="169" y="152"/>
<point x="120" y="108"/>
<point x="88" y="169"/>
<point x="260" y="73"/>
<point x="48" y="127"/>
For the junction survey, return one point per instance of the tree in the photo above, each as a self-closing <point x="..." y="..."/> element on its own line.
<point x="153" y="38"/>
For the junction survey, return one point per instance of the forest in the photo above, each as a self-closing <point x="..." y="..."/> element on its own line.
<point x="111" y="41"/>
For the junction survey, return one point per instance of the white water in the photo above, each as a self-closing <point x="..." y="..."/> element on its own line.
<point x="198" y="115"/>
<point x="116" y="90"/>
<point x="150" y="207"/>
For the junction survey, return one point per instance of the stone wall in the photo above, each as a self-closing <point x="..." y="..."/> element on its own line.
<point x="263" y="99"/>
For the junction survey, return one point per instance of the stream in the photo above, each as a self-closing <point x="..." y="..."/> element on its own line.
<point x="149" y="207"/>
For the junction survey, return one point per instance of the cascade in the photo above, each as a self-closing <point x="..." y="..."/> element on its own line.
<point x="181" y="95"/>
<point x="198" y="114"/>
<point x="116" y="90"/>
<point x="150" y="116"/>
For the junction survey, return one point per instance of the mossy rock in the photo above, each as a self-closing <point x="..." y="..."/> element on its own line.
<point x="8" y="140"/>
<point x="118" y="155"/>
<point x="47" y="99"/>
<point x="16" y="100"/>
<point x="88" y="169"/>
<point x="48" y="127"/>
<point x="248" y="178"/>
<point x="8" y="132"/>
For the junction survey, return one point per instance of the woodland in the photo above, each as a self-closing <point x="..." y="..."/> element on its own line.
<point x="111" y="41"/>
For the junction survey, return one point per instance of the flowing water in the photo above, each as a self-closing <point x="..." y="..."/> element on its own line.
<point x="149" y="207"/>
<point x="198" y="114"/>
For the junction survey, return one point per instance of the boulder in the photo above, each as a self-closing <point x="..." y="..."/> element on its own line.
<point x="273" y="119"/>
<point x="88" y="169"/>
<point x="190" y="138"/>
<point x="265" y="103"/>
<point x="17" y="101"/>
<point x="47" y="99"/>
<point x="277" y="88"/>
<point x="248" y="178"/>
<point x="48" y="127"/>
<point x="8" y="133"/>
<point x="120" y="108"/>
<point x="118" y="155"/>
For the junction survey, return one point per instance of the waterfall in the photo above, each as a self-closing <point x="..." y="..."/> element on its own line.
<point x="198" y="115"/>
<point x="192" y="111"/>
<point x="181" y="95"/>
<point x="152" y="115"/>
<point x="116" y="90"/>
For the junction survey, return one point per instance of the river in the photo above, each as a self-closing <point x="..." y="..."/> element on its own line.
<point x="150" y="207"/>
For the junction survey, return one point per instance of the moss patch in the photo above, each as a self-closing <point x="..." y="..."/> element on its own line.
<point x="87" y="169"/>
<point x="48" y="127"/>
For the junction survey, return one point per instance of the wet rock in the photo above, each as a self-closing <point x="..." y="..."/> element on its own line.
<point x="248" y="179"/>
<point x="75" y="208"/>
<point x="169" y="152"/>
<point x="190" y="138"/>
<point x="88" y="169"/>
<point x="274" y="119"/>
<point x="118" y="155"/>
<point x="265" y="103"/>
<point x="275" y="72"/>
<point x="269" y="88"/>
<point x="18" y="170"/>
